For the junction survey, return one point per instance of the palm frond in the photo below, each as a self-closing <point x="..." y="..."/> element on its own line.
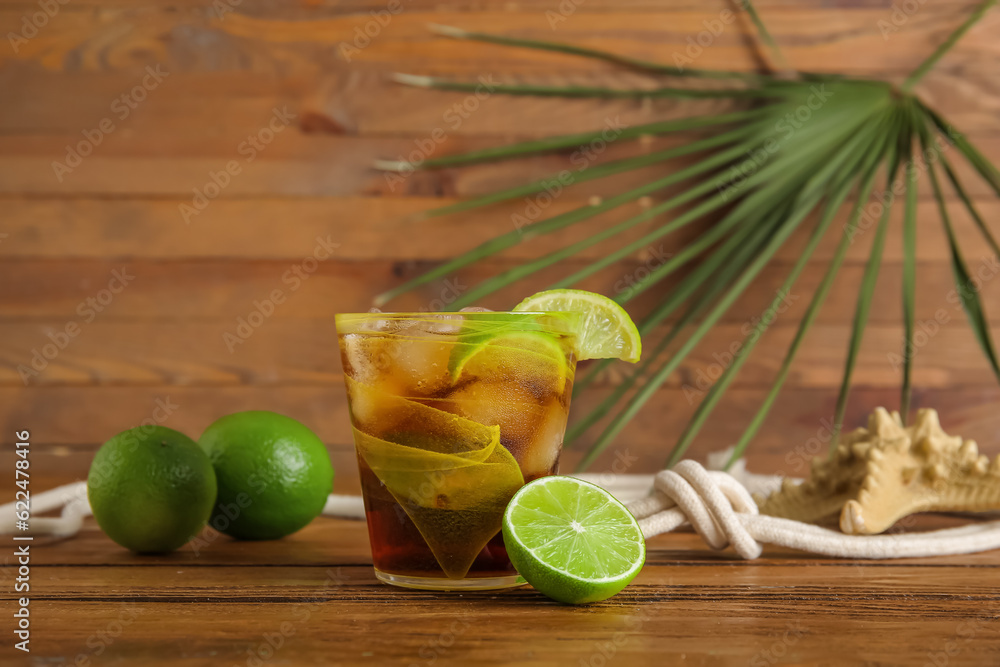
<point x="969" y="206"/>
<point x="946" y="45"/>
<point x="594" y="172"/>
<point x="585" y="91"/>
<point x="965" y="285"/>
<point x="516" y="236"/>
<point x="765" y="34"/>
<point x="979" y="161"/>
<point x="709" y="279"/>
<point x="807" y="199"/>
<point x="865" y="295"/>
<point x="819" y="297"/>
<point x="597" y="54"/>
<point x="909" y="285"/>
<point x="573" y="141"/>
<point x="831" y="207"/>
<point x="801" y="144"/>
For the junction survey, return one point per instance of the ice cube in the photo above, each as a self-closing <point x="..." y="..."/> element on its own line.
<point x="505" y="404"/>
<point x="371" y="408"/>
<point x="420" y="361"/>
<point x="378" y="325"/>
<point x="542" y="450"/>
<point x="447" y="324"/>
<point x="542" y="371"/>
<point x="355" y="354"/>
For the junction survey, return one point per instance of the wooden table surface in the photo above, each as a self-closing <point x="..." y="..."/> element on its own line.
<point x="312" y="598"/>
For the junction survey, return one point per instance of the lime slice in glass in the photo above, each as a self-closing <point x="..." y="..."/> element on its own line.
<point x="605" y="329"/>
<point x="572" y="540"/>
<point x="520" y="355"/>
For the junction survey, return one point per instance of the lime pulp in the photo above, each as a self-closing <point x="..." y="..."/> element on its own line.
<point x="605" y="330"/>
<point x="572" y="540"/>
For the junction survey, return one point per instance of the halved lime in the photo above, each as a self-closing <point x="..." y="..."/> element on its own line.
<point x="605" y="330"/>
<point x="572" y="540"/>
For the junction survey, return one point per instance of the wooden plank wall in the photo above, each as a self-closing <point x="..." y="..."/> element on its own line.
<point x="213" y="78"/>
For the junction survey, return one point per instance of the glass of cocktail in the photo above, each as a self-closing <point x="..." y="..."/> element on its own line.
<point x="452" y="413"/>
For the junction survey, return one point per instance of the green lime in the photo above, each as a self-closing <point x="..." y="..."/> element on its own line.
<point x="274" y="474"/>
<point x="605" y="330"/>
<point x="151" y="489"/>
<point x="521" y="354"/>
<point x="571" y="540"/>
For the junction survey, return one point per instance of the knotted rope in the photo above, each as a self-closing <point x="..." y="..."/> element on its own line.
<point x="722" y="512"/>
<point x="715" y="504"/>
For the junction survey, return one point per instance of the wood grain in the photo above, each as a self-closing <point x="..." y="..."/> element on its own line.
<point x="323" y="166"/>
<point x="853" y="36"/>
<point x="330" y="104"/>
<point x="196" y="353"/>
<point x="370" y="228"/>
<point x="318" y="596"/>
<point x="795" y="431"/>
<point x="217" y="289"/>
<point x="307" y="9"/>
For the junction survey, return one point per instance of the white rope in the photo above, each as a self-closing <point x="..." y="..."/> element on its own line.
<point x="345" y="507"/>
<point x="72" y="498"/>
<point x="715" y="504"/>
<point x="722" y="512"/>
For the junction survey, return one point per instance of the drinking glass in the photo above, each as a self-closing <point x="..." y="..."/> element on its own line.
<point x="452" y="413"/>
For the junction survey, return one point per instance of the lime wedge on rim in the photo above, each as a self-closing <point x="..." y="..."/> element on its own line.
<point x="605" y="329"/>
<point x="572" y="540"/>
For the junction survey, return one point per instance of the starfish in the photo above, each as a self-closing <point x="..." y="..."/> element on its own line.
<point x="880" y="474"/>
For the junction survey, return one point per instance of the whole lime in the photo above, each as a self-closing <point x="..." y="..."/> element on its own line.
<point x="274" y="474"/>
<point x="151" y="489"/>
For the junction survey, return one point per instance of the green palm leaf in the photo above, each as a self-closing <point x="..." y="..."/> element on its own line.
<point x="863" y="305"/>
<point x="819" y="296"/>
<point x="709" y="280"/>
<point x="597" y="171"/>
<point x="552" y="144"/>
<point x="795" y="144"/>
<point x="909" y="270"/>
<point x="965" y="285"/>
<point x="633" y="63"/>
<point x="763" y="92"/>
<point x="832" y="206"/>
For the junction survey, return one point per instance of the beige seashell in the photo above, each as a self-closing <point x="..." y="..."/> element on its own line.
<point x="887" y="471"/>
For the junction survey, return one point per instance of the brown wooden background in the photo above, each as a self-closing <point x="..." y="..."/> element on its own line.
<point x="162" y="337"/>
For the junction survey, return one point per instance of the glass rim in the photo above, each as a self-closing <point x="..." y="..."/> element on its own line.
<point x="410" y="314"/>
<point x="557" y="322"/>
